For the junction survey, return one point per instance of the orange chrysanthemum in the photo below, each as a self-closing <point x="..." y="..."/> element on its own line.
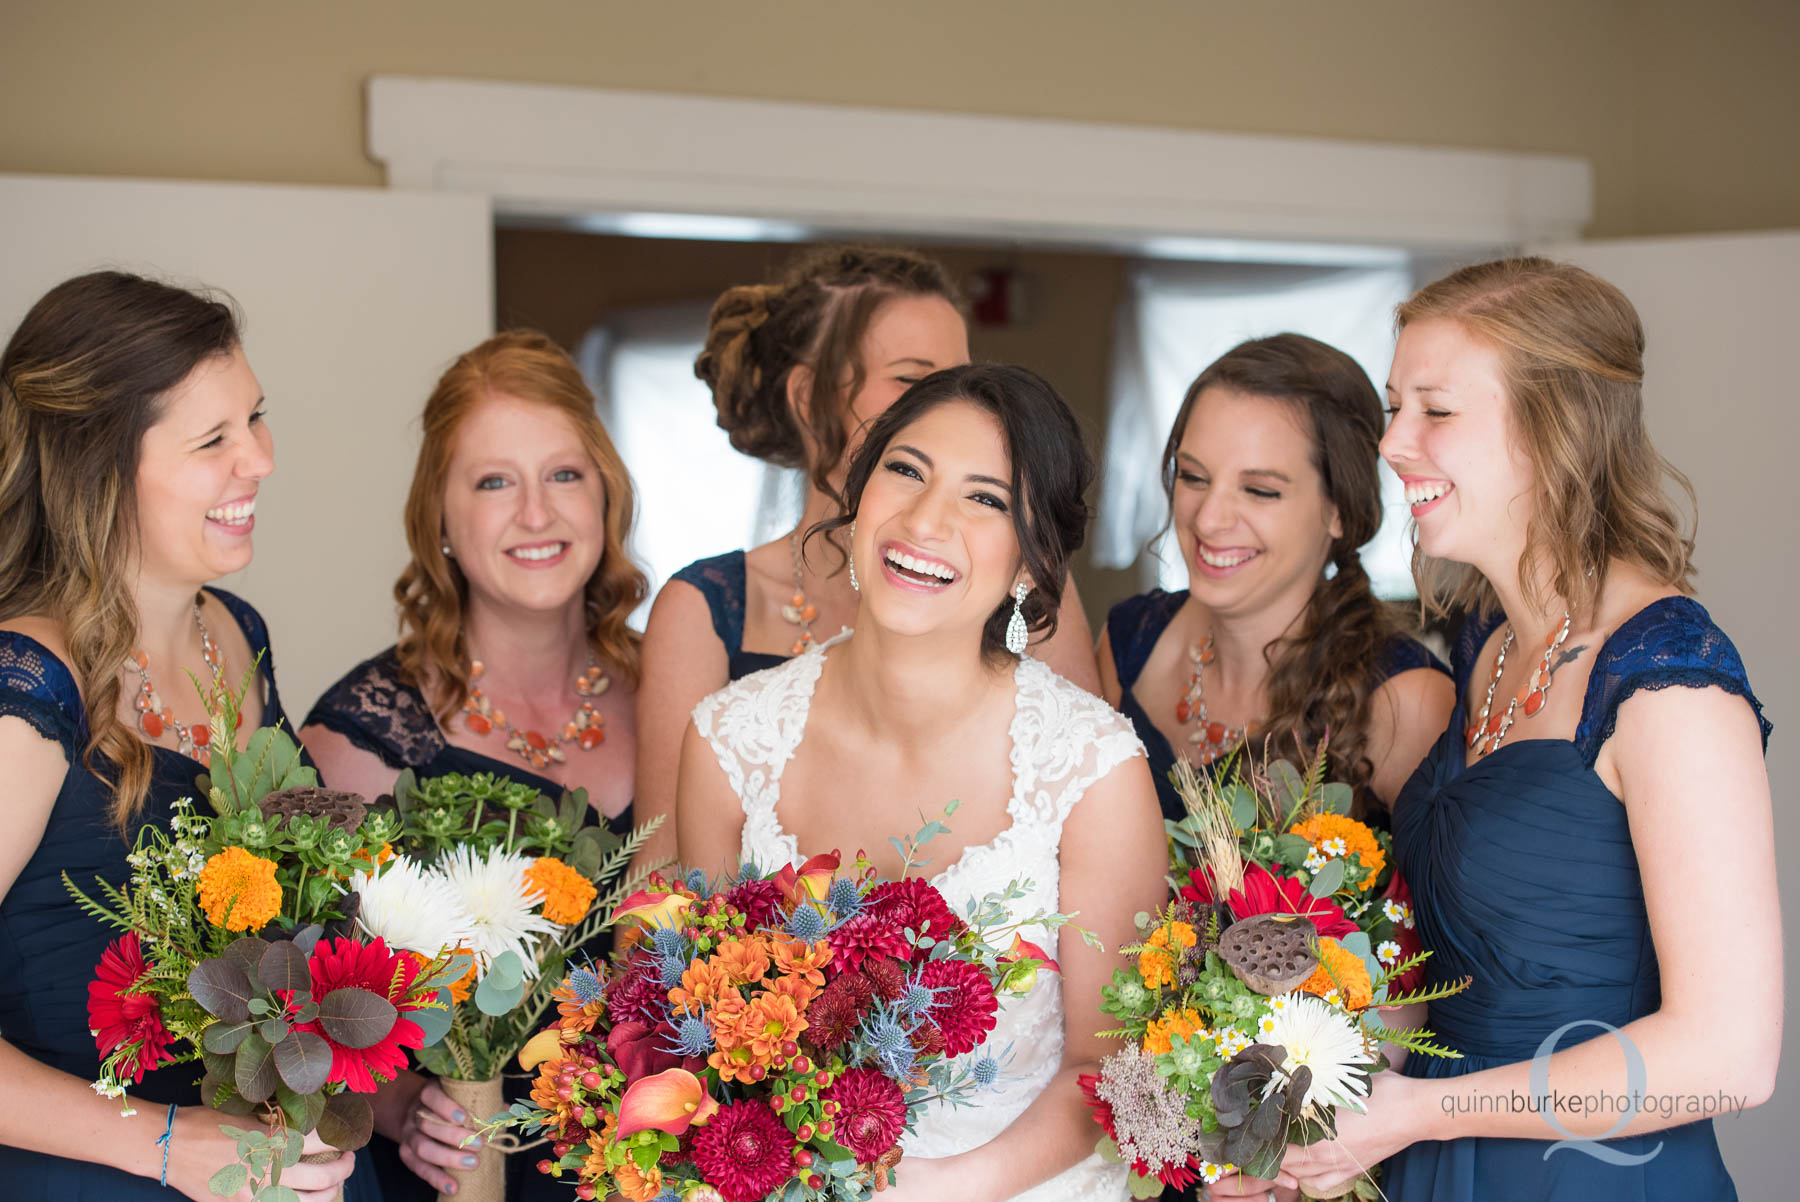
<point x="804" y="960"/>
<point x="1184" y="1023"/>
<point x="567" y="894"/>
<point x="1359" y="841"/>
<point x="1156" y="963"/>
<point x="238" y="891"/>
<point x="637" y="1185"/>
<point x="702" y="985"/>
<point x="744" y="960"/>
<point x="1352" y="976"/>
<point x="801" y="990"/>
<point x="771" y="1020"/>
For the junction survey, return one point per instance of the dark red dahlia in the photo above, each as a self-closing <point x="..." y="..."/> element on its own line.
<point x="963" y="1003"/>
<point x="758" y="901"/>
<point x="744" y="1152"/>
<point x="834" y="1013"/>
<point x="871" y="1112"/>
<point x="885" y="975"/>
<point x="911" y="904"/>
<point x="636" y="994"/>
<point x="350" y="963"/>
<point x="928" y="1041"/>
<point x="118" y="1015"/>
<point x="868" y="934"/>
<point x="1174" y="1176"/>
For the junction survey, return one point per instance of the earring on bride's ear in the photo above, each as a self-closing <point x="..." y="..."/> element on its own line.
<point x="1015" y="625"/>
<point x="850" y="558"/>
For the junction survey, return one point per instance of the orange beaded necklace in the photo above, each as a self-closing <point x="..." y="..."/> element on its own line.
<point x="586" y="728"/>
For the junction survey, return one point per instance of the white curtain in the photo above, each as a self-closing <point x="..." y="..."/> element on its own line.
<point x="696" y="495"/>
<point x="1175" y="320"/>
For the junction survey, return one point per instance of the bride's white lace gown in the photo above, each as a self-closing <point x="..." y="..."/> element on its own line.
<point x="1063" y="740"/>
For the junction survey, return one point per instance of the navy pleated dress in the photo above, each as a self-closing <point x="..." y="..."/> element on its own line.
<point x="1524" y="877"/>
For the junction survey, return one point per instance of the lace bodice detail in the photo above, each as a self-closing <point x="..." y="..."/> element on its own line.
<point x="1063" y="740"/>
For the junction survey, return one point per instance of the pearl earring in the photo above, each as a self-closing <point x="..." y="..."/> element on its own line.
<point x="1015" y="625"/>
<point x="449" y="553"/>
<point x="850" y="556"/>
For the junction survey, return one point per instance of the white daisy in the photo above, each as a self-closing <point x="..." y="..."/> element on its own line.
<point x="1387" y="951"/>
<point x="1334" y="846"/>
<point x="1398" y="912"/>
<point x="1266" y="1025"/>
<point x="1280" y="1002"/>
<point x="503" y="914"/>
<point x="1325" y="1041"/>
<point x="412" y="908"/>
<point x="1314" y="861"/>
<point x="1210" y="1172"/>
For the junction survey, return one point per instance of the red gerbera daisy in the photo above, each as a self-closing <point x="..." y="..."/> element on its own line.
<point x="868" y="934"/>
<point x="1266" y="892"/>
<point x="963" y="1003"/>
<point x="1174" y="1176"/>
<point x="344" y="964"/>
<point x="871" y="1112"/>
<point x="914" y="905"/>
<point x="120" y="1016"/>
<point x="744" y="1152"/>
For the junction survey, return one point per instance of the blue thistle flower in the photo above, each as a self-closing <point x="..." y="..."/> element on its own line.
<point x="587" y="986"/>
<point x="696" y="880"/>
<point x="806" y="924"/>
<point x="986" y="1071"/>
<point x="844" y="900"/>
<point x="669" y="942"/>
<point x="669" y="970"/>
<point x="692" y="1037"/>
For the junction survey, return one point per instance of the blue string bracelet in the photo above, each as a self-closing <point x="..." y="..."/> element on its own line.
<point x="163" y="1139"/>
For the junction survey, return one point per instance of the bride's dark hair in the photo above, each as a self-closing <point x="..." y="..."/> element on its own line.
<point x="1051" y="474"/>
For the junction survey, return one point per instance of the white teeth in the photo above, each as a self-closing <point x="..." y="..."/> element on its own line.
<point x="901" y="559"/>
<point x="1420" y="494"/>
<point x="1224" y="561"/>
<point x="549" y="552"/>
<point x="233" y="514"/>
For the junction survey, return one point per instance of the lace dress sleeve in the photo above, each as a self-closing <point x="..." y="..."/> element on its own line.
<point x="1672" y="643"/>
<point x="381" y="713"/>
<point x="38" y="688"/>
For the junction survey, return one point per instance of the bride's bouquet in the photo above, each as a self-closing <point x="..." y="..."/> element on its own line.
<point x="1253" y="1003"/>
<point x="772" y="1037"/>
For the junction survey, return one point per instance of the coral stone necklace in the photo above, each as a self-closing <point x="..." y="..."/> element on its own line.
<point x="154" y="718"/>
<point x="586" y="728"/>
<point x="1212" y="739"/>
<point x="1485" y="733"/>
<point x="797" y="610"/>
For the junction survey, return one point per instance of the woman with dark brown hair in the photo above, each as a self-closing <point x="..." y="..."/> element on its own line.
<point x="798" y="369"/>
<point x="514" y="657"/>
<point x="1270" y="471"/>
<point x="132" y="448"/>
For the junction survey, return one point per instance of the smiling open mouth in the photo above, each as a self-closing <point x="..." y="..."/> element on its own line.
<point x="916" y="570"/>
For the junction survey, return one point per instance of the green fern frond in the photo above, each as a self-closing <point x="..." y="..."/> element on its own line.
<point x="1401" y="968"/>
<point x="1420" y="1040"/>
<point x="1430" y="993"/>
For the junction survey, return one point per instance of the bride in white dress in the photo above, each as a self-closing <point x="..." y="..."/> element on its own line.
<point x="967" y="487"/>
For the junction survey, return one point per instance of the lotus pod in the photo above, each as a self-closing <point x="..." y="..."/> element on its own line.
<point x="342" y="810"/>
<point x="1270" y="952"/>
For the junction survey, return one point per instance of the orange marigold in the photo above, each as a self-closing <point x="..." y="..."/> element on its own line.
<point x="744" y="959"/>
<point x="1185" y="1023"/>
<point x="1156" y="963"/>
<point x="1359" y="841"/>
<point x="238" y="891"/>
<point x="567" y="894"/>
<point x="1352" y="983"/>
<point x="798" y="959"/>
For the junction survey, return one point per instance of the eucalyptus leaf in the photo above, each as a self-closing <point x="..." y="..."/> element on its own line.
<point x="1335" y="797"/>
<point x="302" y="1109"/>
<point x="506" y="970"/>
<point x="1292" y="850"/>
<point x="495" y="1000"/>
<point x="1243" y="806"/>
<point x="222" y="1038"/>
<point x="228" y="1180"/>
<point x="256" y="1078"/>
<point x="221" y="989"/>
<point x="1356" y="941"/>
<point x="307" y="938"/>
<point x="1326" y="881"/>
<point x="246" y="953"/>
<point x="304" y="1061"/>
<point x="356" y="1017"/>
<point x="435" y="1023"/>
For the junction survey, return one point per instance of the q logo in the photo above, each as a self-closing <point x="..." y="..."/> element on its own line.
<point x="1634" y="1086"/>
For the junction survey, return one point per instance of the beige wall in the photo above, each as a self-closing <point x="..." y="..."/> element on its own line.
<point x="1685" y="109"/>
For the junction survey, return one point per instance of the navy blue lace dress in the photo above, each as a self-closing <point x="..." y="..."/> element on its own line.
<point x="1132" y="628"/>
<point x="1523" y="876"/>
<point x="721" y="581"/>
<point x="49" y="947"/>
<point x="377" y="710"/>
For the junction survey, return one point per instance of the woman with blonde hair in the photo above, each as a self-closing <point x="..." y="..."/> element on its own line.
<point x="132" y="449"/>
<point x="798" y="369"/>
<point x="514" y="657"/>
<point x="1590" y="841"/>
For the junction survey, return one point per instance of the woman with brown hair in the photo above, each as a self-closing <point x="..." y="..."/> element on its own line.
<point x="1591" y="838"/>
<point x="1270" y="471"/>
<point x="132" y="448"/>
<point x="798" y="369"/>
<point x="514" y="657"/>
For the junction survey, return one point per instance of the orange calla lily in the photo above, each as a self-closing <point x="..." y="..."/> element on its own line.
<point x="1024" y="949"/>
<point x="654" y="909"/>
<point x="545" y="1045"/>
<point x="672" y="1101"/>
<point x="812" y="879"/>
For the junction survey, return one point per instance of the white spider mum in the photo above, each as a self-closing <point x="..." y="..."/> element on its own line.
<point x="1326" y="1041"/>
<point x="503" y="912"/>
<point x="412" y="908"/>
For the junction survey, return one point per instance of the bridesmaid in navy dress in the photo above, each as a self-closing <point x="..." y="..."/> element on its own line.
<point x="1270" y="471"/>
<point x="514" y="656"/>
<point x="798" y="369"/>
<point x="132" y="447"/>
<point x="1591" y="840"/>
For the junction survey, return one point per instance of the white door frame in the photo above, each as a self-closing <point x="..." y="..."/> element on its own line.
<point x="568" y="153"/>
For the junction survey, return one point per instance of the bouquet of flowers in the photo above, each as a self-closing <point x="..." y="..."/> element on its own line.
<point x="1253" y="1004"/>
<point x="240" y="951"/>
<point x="772" y="1036"/>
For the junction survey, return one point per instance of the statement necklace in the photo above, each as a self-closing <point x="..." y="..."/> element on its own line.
<point x="1485" y="733"/>
<point x="1212" y="739"/>
<point x="154" y="718"/>
<point x="797" y="610"/>
<point x="586" y="728"/>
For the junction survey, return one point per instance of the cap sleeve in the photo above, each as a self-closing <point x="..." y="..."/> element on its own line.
<point x="38" y="687"/>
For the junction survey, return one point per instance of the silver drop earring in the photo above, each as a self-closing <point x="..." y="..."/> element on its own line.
<point x="1015" y="625"/>
<point x="850" y="558"/>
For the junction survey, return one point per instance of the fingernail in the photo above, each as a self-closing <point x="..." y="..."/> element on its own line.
<point x="457" y="1116"/>
<point x="450" y="1188"/>
<point x="474" y="1141"/>
<point x="469" y="1162"/>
